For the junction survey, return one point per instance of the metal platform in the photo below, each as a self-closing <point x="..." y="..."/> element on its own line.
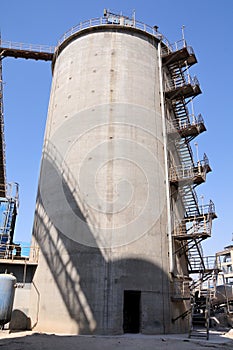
<point x="35" y="55"/>
<point x="183" y="56"/>
<point x="186" y="90"/>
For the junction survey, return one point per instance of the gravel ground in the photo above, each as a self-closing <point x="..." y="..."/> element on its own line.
<point x="41" y="341"/>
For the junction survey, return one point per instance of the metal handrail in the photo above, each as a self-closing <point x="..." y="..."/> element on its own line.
<point x="191" y="120"/>
<point x="12" y="252"/>
<point x="208" y="208"/>
<point x="187" y="79"/>
<point x="206" y="262"/>
<point x="199" y="119"/>
<point x="93" y="22"/>
<point x="26" y="47"/>
<point x="187" y="171"/>
<point x="176" y="46"/>
<point x="184" y="171"/>
<point x="193" y="227"/>
<point x="12" y="190"/>
<point x="210" y="262"/>
<point x="123" y="21"/>
<point x="199" y="223"/>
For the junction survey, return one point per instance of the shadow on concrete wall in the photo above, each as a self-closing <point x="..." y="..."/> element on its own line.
<point x="87" y="280"/>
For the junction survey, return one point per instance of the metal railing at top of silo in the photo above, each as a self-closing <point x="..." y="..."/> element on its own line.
<point x="120" y="21"/>
<point x="95" y="22"/>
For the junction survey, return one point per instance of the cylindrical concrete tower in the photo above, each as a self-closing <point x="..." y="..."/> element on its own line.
<point x="103" y="220"/>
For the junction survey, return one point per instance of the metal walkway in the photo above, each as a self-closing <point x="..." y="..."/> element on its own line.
<point x="9" y="200"/>
<point x="27" y="51"/>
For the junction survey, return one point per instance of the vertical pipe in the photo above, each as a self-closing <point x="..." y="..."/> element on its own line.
<point x="169" y="228"/>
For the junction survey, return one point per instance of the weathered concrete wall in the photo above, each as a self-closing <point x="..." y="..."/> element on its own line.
<point x="101" y="219"/>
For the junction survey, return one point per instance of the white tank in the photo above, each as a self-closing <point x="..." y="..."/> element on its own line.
<point x="7" y="293"/>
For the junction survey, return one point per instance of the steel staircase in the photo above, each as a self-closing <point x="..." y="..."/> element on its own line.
<point x="184" y="151"/>
<point x="203" y="278"/>
<point x="8" y="212"/>
<point x="190" y="231"/>
<point x="177" y="76"/>
<point x="190" y="201"/>
<point x="177" y="65"/>
<point x="195" y="256"/>
<point x="180" y="84"/>
<point x="202" y="305"/>
<point x="181" y="113"/>
<point x="183" y="127"/>
<point x="200" y="316"/>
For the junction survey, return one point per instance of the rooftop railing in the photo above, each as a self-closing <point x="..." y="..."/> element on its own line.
<point x="114" y="20"/>
<point x="93" y="22"/>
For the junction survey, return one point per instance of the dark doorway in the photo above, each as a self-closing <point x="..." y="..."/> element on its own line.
<point x="131" y="311"/>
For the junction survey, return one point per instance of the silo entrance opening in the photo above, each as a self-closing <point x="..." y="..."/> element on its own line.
<point x="132" y="311"/>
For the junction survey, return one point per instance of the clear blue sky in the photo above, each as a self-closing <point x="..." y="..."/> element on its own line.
<point x="208" y="28"/>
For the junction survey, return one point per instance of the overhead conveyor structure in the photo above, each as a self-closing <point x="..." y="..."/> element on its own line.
<point x="27" y="51"/>
<point x="9" y="192"/>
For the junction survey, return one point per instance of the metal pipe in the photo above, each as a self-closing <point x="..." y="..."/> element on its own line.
<point x="169" y="228"/>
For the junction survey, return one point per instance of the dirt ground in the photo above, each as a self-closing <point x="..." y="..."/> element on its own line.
<point x="41" y="341"/>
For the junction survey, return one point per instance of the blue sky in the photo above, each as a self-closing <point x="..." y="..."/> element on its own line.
<point x="208" y="28"/>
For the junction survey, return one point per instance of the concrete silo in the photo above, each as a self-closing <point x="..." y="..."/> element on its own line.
<point x="106" y="203"/>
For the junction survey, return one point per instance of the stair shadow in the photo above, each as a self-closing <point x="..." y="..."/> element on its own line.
<point x="91" y="280"/>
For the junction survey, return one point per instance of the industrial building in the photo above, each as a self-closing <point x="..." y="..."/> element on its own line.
<point x="225" y="263"/>
<point x="118" y="226"/>
<point x="224" y="282"/>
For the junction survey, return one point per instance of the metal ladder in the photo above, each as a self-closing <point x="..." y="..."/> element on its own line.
<point x="8" y="218"/>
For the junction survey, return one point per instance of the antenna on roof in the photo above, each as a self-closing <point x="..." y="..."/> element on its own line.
<point x="182" y="29"/>
<point x="134" y="16"/>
